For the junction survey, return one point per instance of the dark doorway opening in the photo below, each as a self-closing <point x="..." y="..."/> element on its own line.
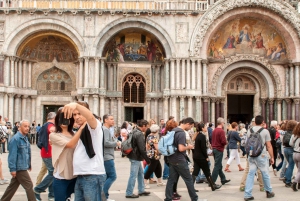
<point x="240" y="108"/>
<point x="50" y="108"/>
<point x="133" y="114"/>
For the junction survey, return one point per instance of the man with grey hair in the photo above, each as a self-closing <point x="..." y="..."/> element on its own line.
<point x="46" y="154"/>
<point x="218" y="144"/>
<point x="272" y="131"/>
<point x="19" y="162"/>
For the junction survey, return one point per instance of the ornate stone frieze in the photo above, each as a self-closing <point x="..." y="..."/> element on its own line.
<point x="221" y="7"/>
<point x="257" y="59"/>
<point x="263" y="100"/>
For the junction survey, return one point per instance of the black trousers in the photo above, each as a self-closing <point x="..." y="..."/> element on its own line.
<point x="155" y="167"/>
<point x="203" y="165"/>
<point x="275" y="156"/>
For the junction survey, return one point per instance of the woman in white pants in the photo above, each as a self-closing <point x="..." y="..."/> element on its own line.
<point x="233" y="138"/>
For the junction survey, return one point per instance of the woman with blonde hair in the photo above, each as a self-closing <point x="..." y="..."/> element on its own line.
<point x="63" y="142"/>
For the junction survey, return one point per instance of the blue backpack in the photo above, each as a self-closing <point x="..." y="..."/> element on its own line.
<point x="166" y="144"/>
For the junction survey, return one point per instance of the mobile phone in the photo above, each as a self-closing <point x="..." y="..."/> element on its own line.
<point x="63" y="120"/>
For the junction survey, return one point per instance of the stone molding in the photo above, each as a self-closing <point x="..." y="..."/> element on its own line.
<point x="205" y="98"/>
<point x="223" y="6"/>
<point x="263" y="100"/>
<point x="288" y="100"/>
<point x="279" y="100"/>
<point x="296" y="101"/>
<point x="233" y="59"/>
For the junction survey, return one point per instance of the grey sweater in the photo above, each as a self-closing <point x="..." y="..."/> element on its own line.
<point x="109" y="144"/>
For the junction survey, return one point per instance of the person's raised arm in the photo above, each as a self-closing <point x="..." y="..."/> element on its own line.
<point x="73" y="142"/>
<point x="68" y="113"/>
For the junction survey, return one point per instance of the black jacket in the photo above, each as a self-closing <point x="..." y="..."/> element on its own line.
<point x="200" y="151"/>
<point x="272" y="131"/>
<point x="139" y="148"/>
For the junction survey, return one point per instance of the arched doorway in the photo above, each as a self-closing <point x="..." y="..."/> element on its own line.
<point x="134" y="94"/>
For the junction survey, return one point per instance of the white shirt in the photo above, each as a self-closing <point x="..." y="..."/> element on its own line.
<point x="84" y="165"/>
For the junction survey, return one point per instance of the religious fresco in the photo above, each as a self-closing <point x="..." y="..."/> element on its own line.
<point x="48" y="48"/>
<point x="133" y="47"/>
<point x="247" y="36"/>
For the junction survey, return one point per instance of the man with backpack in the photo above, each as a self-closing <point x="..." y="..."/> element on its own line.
<point x="46" y="154"/>
<point x="258" y="142"/>
<point x="137" y="155"/>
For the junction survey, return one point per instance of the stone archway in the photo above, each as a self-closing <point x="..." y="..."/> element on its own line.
<point x="274" y="12"/>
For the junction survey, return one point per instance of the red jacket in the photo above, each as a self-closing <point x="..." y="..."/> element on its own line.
<point x="218" y="139"/>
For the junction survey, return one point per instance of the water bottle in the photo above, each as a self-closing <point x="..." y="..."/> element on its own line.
<point x="251" y="150"/>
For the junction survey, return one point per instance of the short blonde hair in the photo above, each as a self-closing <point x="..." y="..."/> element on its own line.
<point x="154" y="128"/>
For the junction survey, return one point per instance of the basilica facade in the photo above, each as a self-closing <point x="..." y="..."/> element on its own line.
<point x="151" y="59"/>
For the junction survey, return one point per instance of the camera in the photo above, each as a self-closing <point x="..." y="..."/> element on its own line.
<point x="62" y="120"/>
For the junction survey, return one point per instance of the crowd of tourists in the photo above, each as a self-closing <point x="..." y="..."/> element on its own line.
<point x="78" y="153"/>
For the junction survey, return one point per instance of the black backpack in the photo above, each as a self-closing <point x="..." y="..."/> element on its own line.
<point x="286" y="139"/>
<point x="254" y="146"/>
<point x="43" y="139"/>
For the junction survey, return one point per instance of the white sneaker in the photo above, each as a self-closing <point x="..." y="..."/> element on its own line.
<point x="161" y="184"/>
<point x="147" y="186"/>
<point x="275" y="172"/>
<point x="109" y="199"/>
<point x="4" y="181"/>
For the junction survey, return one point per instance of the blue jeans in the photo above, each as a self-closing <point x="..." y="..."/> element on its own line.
<point x="202" y="176"/>
<point x="288" y="152"/>
<point x="90" y="187"/>
<point x="63" y="188"/>
<point x="261" y="162"/>
<point x="176" y="170"/>
<point x="136" y="171"/>
<point x="279" y="166"/>
<point x="217" y="171"/>
<point x="166" y="171"/>
<point x="48" y="180"/>
<point x="111" y="176"/>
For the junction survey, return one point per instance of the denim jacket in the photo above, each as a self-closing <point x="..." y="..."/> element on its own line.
<point x="19" y="157"/>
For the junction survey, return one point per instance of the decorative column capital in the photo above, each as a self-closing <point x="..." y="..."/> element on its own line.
<point x="182" y="97"/>
<point x="174" y="96"/>
<point x="297" y="64"/>
<point x="18" y="95"/>
<point x="279" y="100"/>
<point x="198" y="98"/>
<point x="296" y="101"/>
<point x="218" y="100"/>
<point x="97" y="59"/>
<point x="193" y="60"/>
<point x="86" y="59"/>
<point x="288" y="100"/>
<point x="213" y="99"/>
<point x="291" y="65"/>
<point x="119" y="99"/>
<point x="166" y="97"/>
<point x="148" y="99"/>
<point x="33" y="97"/>
<point x="263" y="100"/>
<point x="11" y="95"/>
<point x="271" y="101"/>
<point x="80" y="59"/>
<point x="101" y="96"/>
<point x="112" y="98"/>
<point x="95" y="96"/>
<point x="205" y="98"/>
<point x="190" y="98"/>
<point x="12" y="58"/>
<point x="24" y="96"/>
<point x="166" y="60"/>
<point x="222" y="100"/>
<point x="204" y="61"/>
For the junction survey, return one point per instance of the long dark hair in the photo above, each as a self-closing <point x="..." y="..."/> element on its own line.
<point x="57" y="126"/>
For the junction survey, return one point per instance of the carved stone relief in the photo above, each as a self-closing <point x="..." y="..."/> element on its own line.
<point x="182" y="32"/>
<point x="1" y="31"/>
<point x="260" y="60"/>
<point x="89" y="25"/>
<point x="282" y="8"/>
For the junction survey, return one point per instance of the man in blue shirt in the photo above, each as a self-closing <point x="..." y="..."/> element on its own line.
<point x="19" y="162"/>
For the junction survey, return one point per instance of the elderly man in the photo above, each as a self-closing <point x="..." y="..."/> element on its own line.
<point x="19" y="162"/>
<point x="272" y="130"/>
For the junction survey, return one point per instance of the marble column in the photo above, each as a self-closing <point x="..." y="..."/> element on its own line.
<point x="33" y="107"/>
<point x="217" y="115"/>
<point x="297" y="79"/>
<point x="296" y="101"/>
<point x="212" y="109"/>
<point x="166" y="108"/>
<point x="198" y="109"/>
<point x="222" y="108"/>
<point x="86" y="98"/>
<point x="16" y="72"/>
<point x="148" y="111"/>
<point x="29" y="74"/>
<point x="205" y="109"/>
<point x="271" y="110"/>
<point x="279" y="109"/>
<point x="18" y="108"/>
<point x="10" y="107"/>
<point x="292" y="83"/>
<point x="81" y="73"/>
<point x="97" y="72"/>
<point x="167" y="74"/>
<point x="1" y="103"/>
<point x="157" y="75"/>
<point x="112" y="106"/>
<point x="119" y="112"/>
<point x="153" y="78"/>
<point x="287" y="88"/>
<point x="263" y="108"/>
<point x="182" y="74"/>
<point x="156" y="109"/>
<point x="181" y="107"/>
<point x="174" y="107"/>
<point x="188" y="74"/>
<point x="204" y="76"/>
<point x="6" y="66"/>
<point x="102" y="76"/>
<point x="25" y="77"/>
<point x="96" y="104"/>
<point x="172" y="72"/>
<point x="190" y="106"/>
<point x="199" y="75"/>
<point x="102" y="106"/>
<point x="24" y="100"/>
<point x="20" y="75"/>
<point x="28" y="110"/>
<point x="289" y="108"/>
<point x="12" y="71"/>
<point x="86" y="71"/>
<point x="5" y="105"/>
<point x="193" y="74"/>
<point x="115" y="80"/>
<point x="110" y="77"/>
<point x="177" y="73"/>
